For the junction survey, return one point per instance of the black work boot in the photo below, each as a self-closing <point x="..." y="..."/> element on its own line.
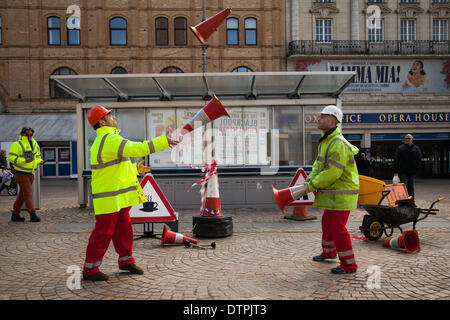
<point x="34" y="217"/>
<point x="17" y="218"/>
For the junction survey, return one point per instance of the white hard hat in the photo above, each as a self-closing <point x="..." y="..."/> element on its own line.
<point x="333" y="111"/>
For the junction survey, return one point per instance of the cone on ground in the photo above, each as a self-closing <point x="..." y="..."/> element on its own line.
<point x="205" y="29"/>
<point x="285" y="196"/>
<point x="300" y="213"/>
<point x="210" y="112"/>
<point x="170" y="237"/>
<point x="409" y="240"/>
<point x="212" y="201"/>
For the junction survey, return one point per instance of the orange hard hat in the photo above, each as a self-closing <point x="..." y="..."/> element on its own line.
<point x="96" y="113"/>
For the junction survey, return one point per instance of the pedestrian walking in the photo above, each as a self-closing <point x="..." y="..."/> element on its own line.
<point x="335" y="177"/>
<point x="24" y="156"/>
<point x="407" y="161"/>
<point x="115" y="189"/>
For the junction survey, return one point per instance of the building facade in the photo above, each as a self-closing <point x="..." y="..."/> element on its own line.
<point x="61" y="37"/>
<point x="401" y="52"/>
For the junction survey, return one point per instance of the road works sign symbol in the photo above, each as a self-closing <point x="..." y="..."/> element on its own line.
<point x="299" y="179"/>
<point x="157" y="208"/>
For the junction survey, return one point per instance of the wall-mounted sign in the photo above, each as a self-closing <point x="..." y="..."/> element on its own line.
<point x="389" y="117"/>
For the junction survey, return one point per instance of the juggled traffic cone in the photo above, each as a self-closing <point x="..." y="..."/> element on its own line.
<point x="213" y="110"/>
<point x="171" y="237"/>
<point x="409" y="240"/>
<point x="285" y="196"/>
<point x="212" y="201"/>
<point x="206" y="28"/>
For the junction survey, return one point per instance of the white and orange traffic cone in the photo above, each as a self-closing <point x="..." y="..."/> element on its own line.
<point x="300" y="213"/>
<point x="212" y="202"/>
<point x="205" y="29"/>
<point x="171" y="237"/>
<point x="409" y="240"/>
<point x="210" y="112"/>
<point x="285" y="196"/>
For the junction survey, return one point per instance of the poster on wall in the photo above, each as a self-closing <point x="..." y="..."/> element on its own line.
<point x="388" y="76"/>
<point x="160" y="120"/>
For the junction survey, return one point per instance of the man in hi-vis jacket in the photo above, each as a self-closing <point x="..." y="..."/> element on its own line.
<point x="335" y="177"/>
<point x="115" y="189"/>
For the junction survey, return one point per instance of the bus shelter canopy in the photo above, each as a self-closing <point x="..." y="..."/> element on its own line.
<point x="194" y="86"/>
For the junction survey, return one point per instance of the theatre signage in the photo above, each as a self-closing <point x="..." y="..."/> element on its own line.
<point x="385" y="117"/>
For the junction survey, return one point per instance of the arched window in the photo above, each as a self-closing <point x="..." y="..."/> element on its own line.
<point x="55" y="90"/>
<point x="73" y="31"/>
<point x="171" y="70"/>
<point x="54" y="31"/>
<point x="162" y="31"/>
<point x="180" y="30"/>
<point x="118" y="31"/>
<point x="250" y="31"/>
<point x="242" y="69"/>
<point x="118" y="70"/>
<point x="232" y="31"/>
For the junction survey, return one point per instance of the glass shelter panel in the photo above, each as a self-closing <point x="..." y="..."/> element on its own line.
<point x="158" y="121"/>
<point x="288" y="120"/>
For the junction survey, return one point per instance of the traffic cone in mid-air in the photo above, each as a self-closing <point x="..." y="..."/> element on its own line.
<point x="205" y="29"/>
<point x="212" y="201"/>
<point x="409" y="240"/>
<point x="210" y="112"/>
<point x="170" y="237"/>
<point x="285" y="196"/>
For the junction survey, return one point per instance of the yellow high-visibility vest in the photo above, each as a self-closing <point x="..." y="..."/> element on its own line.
<point x="334" y="174"/>
<point x="114" y="178"/>
<point x="22" y="149"/>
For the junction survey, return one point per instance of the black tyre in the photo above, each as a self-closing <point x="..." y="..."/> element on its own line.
<point x="212" y="227"/>
<point x="372" y="228"/>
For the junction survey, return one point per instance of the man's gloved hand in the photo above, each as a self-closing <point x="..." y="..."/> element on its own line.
<point x="395" y="180"/>
<point x="143" y="169"/>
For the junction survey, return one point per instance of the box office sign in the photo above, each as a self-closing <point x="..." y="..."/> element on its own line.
<point x="388" y="76"/>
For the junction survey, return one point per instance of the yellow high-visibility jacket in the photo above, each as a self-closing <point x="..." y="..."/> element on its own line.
<point x="114" y="178"/>
<point x="334" y="174"/>
<point x="22" y="149"/>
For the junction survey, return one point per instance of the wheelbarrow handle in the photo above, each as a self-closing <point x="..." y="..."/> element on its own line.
<point x="430" y="210"/>
<point x="384" y="194"/>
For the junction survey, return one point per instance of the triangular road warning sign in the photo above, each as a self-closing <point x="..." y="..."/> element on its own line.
<point x="299" y="179"/>
<point x="157" y="208"/>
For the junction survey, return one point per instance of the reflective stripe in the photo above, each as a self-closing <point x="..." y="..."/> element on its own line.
<point x="178" y="238"/>
<point x="320" y="159"/>
<point x="339" y="192"/>
<point x="312" y="185"/>
<point x="349" y="261"/>
<point x="336" y="164"/>
<point x="345" y="253"/>
<point x="22" y="168"/>
<point x="121" y="147"/>
<point x="328" y="250"/>
<point x="113" y="193"/>
<point x="109" y="163"/>
<point x="151" y="146"/>
<point x="99" y="153"/>
<point x="327" y="243"/>
<point x="125" y="258"/>
<point x="13" y="154"/>
<point x="23" y="148"/>
<point x="89" y="265"/>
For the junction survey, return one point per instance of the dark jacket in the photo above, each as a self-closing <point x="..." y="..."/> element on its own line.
<point x="407" y="159"/>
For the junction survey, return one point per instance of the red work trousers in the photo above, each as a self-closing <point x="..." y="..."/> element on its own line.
<point x="25" y="181"/>
<point x="336" y="239"/>
<point x="113" y="226"/>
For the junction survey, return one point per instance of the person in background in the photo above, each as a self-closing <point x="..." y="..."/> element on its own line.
<point x="407" y="161"/>
<point x="363" y="165"/>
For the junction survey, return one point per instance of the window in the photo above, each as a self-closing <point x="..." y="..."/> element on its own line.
<point x="376" y="34"/>
<point x="376" y="1"/>
<point x="55" y="90"/>
<point x="324" y="30"/>
<point x="118" y="70"/>
<point x="242" y="69"/>
<point x="250" y="31"/>
<point x="232" y="31"/>
<point x="407" y="1"/>
<point x="162" y="31"/>
<point x="54" y="31"/>
<point x="180" y="30"/>
<point x="118" y="31"/>
<point x="1" y="39"/>
<point x="171" y="70"/>
<point x="73" y="31"/>
<point x="440" y="1"/>
<point x="408" y="30"/>
<point x="324" y="1"/>
<point x="440" y="30"/>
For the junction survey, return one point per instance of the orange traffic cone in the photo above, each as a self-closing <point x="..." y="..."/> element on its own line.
<point x="285" y="196"/>
<point x="409" y="240"/>
<point x="300" y="213"/>
<point x="206" y="28"/>
<point x="212" y="201"/>
<point x="171" y="237"/>
<point x="213" y="110"/>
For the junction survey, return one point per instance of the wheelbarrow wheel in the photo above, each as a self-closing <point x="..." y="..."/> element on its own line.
<point x="372" y="228"/>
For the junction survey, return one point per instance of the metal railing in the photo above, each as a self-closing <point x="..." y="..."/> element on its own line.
<point x="364" y="47"/>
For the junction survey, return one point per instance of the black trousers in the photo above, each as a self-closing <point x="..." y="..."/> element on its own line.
<point x="408" y="180"/>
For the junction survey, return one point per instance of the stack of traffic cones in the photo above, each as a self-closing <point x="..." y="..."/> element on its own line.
<point x="212" y="202"/>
